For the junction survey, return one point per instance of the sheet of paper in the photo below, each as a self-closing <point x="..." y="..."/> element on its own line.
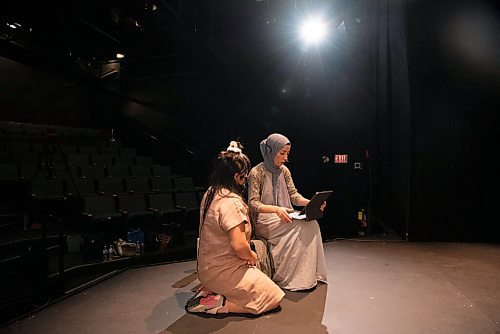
<point x="297" y="215"/>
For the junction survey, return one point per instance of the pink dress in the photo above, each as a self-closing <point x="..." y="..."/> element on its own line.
<point x="220" y="269"/>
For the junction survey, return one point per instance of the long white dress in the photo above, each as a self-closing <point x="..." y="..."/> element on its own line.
<point x="296" y="247"/>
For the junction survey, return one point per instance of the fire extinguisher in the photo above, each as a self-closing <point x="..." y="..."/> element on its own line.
<point x="363" y="223"/>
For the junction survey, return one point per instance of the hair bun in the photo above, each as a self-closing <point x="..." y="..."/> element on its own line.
<point x="234" y="147"/>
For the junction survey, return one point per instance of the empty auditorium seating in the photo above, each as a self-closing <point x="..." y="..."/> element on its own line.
<point x="163" y="204"/>
<point x="98" y="188"/>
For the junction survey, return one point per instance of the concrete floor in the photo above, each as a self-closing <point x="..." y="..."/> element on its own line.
<point x="374" y="287"/>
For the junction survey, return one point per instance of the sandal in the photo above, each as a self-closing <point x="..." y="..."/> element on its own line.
<point x="203" y="292"/>
<point x="205" y="304"/>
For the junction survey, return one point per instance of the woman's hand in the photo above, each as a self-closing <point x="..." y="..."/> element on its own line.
<point x="282" y="212"/>
<point x="241" y="246"/>
<point x="253" y="261"/>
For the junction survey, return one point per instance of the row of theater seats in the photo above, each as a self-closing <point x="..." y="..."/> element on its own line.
<point x="29" y="172"/>
<point x="132" y="197"/>
<point x="78" y="173"/>
<point x="42" y="188"/>
<point x="110" y="217"/>
<point x="75" y="159"/>
<point x="89" y="180"/>
<point x="15" y="129"/>
<point x="30" y="146"/>
<point x="11" y="145"/>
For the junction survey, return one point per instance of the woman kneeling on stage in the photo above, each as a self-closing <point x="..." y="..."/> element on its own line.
<point x="226" y="263"/>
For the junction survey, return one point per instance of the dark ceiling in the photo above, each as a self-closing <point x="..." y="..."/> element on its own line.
<point x="158" y="37"/>
<point x="95" y="31"/>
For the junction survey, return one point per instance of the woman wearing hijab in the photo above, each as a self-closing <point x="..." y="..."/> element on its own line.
<point x="296" y="246"/>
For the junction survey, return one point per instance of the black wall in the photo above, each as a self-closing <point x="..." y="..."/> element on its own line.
<point x="407" y="88"/>
<point x="454" y="77"/>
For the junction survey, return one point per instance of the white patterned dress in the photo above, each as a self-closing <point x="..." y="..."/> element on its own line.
<point x="296" y="247"/>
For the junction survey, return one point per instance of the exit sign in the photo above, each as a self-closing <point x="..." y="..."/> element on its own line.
<point x="340" y="158"/>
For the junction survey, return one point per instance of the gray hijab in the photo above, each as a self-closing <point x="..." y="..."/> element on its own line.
<point x="269" y="147"/>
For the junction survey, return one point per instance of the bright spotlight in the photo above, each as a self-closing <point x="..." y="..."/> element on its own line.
<point x="313" y="30"/>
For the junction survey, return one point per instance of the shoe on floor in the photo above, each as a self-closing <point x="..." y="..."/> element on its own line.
<point x="205" y="304"/>
<point x="203" y="292"/>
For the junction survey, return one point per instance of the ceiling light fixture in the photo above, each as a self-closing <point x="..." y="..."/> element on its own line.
<point x="313" y="30"/>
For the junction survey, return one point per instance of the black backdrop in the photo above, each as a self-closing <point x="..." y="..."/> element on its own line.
<point x="422" y="106"/>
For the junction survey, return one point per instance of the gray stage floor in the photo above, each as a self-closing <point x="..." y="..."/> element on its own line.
<point x="374" y="287"/>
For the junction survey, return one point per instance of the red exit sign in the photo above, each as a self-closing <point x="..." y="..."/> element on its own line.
<point x="340" y="158"/>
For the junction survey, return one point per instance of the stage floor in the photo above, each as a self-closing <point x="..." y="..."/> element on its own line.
<point x="374" y="287"/>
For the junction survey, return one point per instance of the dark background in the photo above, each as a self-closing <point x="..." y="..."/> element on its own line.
<point x="407" y="88"/>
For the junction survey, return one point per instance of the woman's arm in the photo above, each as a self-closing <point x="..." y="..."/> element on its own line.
<point x="282" y="212"/>
<point x="254" y="190"/>
<point x="240" y="245"/>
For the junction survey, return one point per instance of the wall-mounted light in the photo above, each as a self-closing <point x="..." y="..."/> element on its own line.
<point x="120" y="55"/>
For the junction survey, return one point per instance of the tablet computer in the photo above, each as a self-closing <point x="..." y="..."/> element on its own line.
<point x="312" y="210"/>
